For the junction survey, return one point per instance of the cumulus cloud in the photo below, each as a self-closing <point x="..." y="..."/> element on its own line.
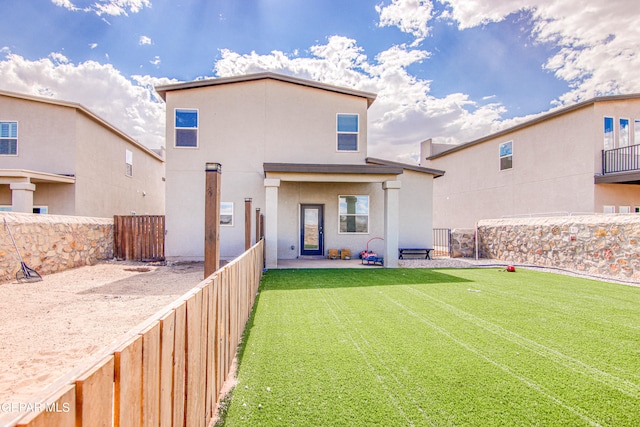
<point x="144" y="40"/>
<point x="105" y="7"/>
<point x="404" y="112"/>
<point x="133" y="105"/>
<point x="410" y="16"/>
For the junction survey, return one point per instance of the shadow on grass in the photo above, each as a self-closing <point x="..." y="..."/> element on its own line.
<point x="316" y="278"/>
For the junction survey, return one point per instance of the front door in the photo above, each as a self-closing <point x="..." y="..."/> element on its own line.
<point x="312" y="230"/>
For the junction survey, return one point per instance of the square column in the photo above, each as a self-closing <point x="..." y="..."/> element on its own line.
<point x="391" y="222"/>
<point x="271" y="222"/>
<point x="22" y="196"/>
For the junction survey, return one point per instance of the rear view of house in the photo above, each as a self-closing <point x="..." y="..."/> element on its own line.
<point x="298" y="150"/>
<point x="584" y="158"/>
<point x="58" y="157"/>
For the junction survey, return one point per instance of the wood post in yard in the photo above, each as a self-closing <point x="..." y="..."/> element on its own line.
<point x="213" y="172"/>
<point x="258" y="231"/>
<point x="247" y="223"/>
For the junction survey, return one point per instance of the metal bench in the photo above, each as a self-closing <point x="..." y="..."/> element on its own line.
<point x="422" y="252"/>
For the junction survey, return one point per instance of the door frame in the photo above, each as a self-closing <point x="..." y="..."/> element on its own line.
<point x="320" y="250"/>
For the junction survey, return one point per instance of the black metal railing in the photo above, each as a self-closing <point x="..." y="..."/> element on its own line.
<point x="441" y="242"/>
<point x="621" y="159"/>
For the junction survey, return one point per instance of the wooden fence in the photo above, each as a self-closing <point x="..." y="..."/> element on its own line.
<point x="169" y="371"/>
<point x="138" y="237"/>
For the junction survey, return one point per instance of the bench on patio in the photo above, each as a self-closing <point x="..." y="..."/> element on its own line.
<point x="422" y="252"/>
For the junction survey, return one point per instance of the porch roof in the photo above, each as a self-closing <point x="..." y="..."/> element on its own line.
<point x="10" y="176"/>
<point x="307" y="172"/>
<point x="629" y="177"/>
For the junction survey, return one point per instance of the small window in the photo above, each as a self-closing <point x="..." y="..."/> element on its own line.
<point x="624" y="209"/>
<point x="187" y="128"/>
<point x="623" y="135"/>
<point x="226" y="214"/>
<point x="347" y="132"/>
<point x="354" y="214"/>
<point x="636" y="132"/>
<point x="128" y="163"/>
<point x="608" y="133"/>
<point x="506" y="155"/>
<point x="9" y="138"/>
<point x="608" y="209"/>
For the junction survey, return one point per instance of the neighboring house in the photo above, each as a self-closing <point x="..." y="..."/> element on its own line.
<point x="58" y="157"/>
<point x="297" y="149"/>
<point x="580" y="159"/>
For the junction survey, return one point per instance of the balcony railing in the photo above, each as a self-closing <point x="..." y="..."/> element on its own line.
<point x="621" y="159"/>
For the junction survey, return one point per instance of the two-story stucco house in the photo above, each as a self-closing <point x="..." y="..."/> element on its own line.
<point x="58" y="157"/>
<point x="298" y="150"/>
<point x="584" y="158"/>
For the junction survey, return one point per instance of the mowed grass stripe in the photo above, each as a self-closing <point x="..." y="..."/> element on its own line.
<point x="421" y="347"/>
<point x="378" y="367"/>
<point x="624" y="386"/>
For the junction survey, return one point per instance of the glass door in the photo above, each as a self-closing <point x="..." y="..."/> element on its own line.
<point x="312" y="230"/>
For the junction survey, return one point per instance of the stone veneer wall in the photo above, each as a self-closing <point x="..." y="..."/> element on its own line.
<point x="51" y="243"/>
<point x="597" y="244"/>
<point x="463" y="243"/>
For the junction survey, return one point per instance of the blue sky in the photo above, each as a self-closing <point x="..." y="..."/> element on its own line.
<point x="448" y="70"/>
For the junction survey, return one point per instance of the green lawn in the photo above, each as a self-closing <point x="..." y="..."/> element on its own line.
<point x="468" y="347"/>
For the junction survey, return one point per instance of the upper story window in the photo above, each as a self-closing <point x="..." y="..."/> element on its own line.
<point x="226" y="213"/>
<point x="128" y="159"/>
<point x="9" y="138"/>
<point x="506" y="155"/>
<point x="186" y="128"/>
<point x="608" y="133"/>
<point x="623" y="135"/>
<point x="347" y="132"/>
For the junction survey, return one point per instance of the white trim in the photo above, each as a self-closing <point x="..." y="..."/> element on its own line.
<point x="348" y="133"/>
<point x="368" y="214"/>
<point x="500" y="156"/>
<point x="232" y="214"/>
<point x="197" y="128"/>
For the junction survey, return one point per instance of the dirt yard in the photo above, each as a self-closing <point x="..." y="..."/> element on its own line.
<point x="48" y="328"/>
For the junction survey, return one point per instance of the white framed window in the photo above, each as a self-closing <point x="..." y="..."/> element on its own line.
<point x="226" y="214"/>
<point x="624" y="133"/>
<point x="609" y="209"/>
<point x="347" y="126"/>
<point x="609" y="138"/>
<point x="353" y="214"/>
<point x="8" y="138"/>
<point x="128" y="161"/>
<point x="624" y="209"/>
<point x="186" y="125"/>
<point x="506" y="155"/>
<point x="636" y="132"/>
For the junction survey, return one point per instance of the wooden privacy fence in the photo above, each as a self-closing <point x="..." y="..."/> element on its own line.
<point x="169" y="372"/>
<point x="138" y="237"/>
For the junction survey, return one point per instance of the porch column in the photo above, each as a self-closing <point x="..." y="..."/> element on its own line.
<point x="22" y="196"/>
<point x="271" y="222"/>
<point x="391" y="222"/>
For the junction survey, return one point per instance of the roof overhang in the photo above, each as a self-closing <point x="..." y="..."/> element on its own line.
<point x="304" y="172"/>
<point x="10" y="176"/>
<point x="435" y="172"/>
<point x="631" y="177"/>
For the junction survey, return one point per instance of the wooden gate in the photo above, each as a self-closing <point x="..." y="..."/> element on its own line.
<point x="138" y="237"/>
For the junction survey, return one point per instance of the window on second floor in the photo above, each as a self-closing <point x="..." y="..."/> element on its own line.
<point x="128" y="163"/>
<point x="186" y="128"/>
<point x="9" y="138"/>
<point x="226" y="213"/>
<point x="506" y="155"/>
<point x="623" y="135"/>
<point x="347" y="125"/>
<point x="608" y="133"/>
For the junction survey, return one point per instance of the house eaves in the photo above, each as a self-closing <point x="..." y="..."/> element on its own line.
<point x="86" y="112"/>
<point x="535" y="121"/>
<point x="435" y="172"/>
<point x="306" y="172"/>
<point x="162" y="90"/>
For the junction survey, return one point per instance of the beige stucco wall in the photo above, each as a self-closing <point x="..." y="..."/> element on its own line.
<point x="102" y="187"/>
<point x="242" y="126"/>
<point x="416" y="210"/>
<point x="63" y="139"/>
<point x="554" y="163"/>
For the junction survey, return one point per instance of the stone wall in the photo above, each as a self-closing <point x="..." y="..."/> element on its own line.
<point x="596" y="244"/>
<point x="463" y="243"/>
<point x="52" y="243"/>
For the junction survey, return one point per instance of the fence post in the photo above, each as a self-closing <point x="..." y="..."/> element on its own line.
<point x="212" y="219"/>
<point x="247" y="223"/>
